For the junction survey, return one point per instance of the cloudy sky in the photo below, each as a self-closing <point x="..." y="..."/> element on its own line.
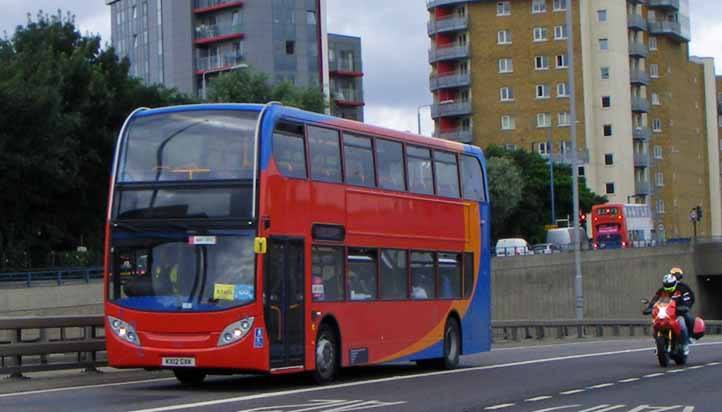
<point x="394" y="45"/>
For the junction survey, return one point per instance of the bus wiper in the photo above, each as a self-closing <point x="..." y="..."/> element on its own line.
<point x="126" y="226"/>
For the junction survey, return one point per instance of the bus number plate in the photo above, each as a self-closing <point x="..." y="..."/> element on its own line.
<point x="179" y="362"/>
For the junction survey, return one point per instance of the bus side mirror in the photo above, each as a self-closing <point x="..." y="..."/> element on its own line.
<point x="260" y="245"/>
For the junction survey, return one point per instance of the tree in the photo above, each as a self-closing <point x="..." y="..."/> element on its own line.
<point x="505" y="189"/>
<point x="533" y="211"/>
<point x="249" y="86"/>
<point x="62" y="102"/>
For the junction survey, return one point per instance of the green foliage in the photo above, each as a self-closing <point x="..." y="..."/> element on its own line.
<point x="249" y="86"/>
<point x="506" y="186"/>
<point x="533" y="211"/>
<point x="62" y="102"/>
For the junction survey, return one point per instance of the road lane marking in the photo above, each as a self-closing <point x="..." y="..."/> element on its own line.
<point x="558" y="408"/>
<point x="604" y="408"/>
<point x="713" y="364"/>
<point x="653" y="375"/>
<point x="73" y="388"/>
<point x="538" y="398"/>
<point x="630" y="380"/>
<point x="497" y="407"/>
<point x="572" y="392"/>
<point x="677" y="370"/>
<point x="601" y="386"/>
<point x="696" y="367"/>
<point x="326" y="406"/>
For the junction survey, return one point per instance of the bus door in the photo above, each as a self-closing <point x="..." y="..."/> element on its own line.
<point x="284" y="302"/>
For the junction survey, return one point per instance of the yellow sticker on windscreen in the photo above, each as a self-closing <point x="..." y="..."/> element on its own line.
<point x="223" y="292"/>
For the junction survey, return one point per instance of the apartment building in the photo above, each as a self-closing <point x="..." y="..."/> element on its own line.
<point x="181" y="43"/>
<point x="646" y="112"/>
<point x="346" y="75"/>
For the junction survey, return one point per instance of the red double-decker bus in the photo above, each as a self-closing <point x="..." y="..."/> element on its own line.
<point x="617" y="225"/>
<point x="268" y="239"/>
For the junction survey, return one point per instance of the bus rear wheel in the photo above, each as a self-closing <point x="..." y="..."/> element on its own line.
<point x="189" y="377"/>
<point x="327" y="355"/>
<point x="452" y="344"/>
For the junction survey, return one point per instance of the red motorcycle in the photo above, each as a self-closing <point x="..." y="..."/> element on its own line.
<point x="667" y="332"/>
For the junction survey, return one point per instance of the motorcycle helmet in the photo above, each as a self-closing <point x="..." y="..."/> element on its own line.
<point x="677" y="272"/>
<point x="669" y="282"/>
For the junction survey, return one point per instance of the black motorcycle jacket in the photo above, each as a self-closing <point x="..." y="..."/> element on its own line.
<point x="683" y="296"/>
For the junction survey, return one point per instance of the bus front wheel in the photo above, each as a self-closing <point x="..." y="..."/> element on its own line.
<point x="327" y="355"/>
<point x="190" y="377"/>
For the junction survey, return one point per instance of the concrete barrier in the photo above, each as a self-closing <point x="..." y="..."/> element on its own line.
<point x="53" y="300"/>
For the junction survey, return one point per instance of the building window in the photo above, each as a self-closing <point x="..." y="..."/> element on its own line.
<point x="659" y="179"/>
<point x="655" y="100"/>
<point x="543" y="148"/>
<point x="311" y="17"/>
<point x="540" y="34"/>
<point x="658" y="154"/>
<point x="606" y="101"/>
<point x="563" y="119"/>
<point x="290" y="47"/>
<point x="507" y="122"/>
<point x="652" y="43"/>
<point x="542" y="91"/>
<point x="607" y="130"/>
<point x="560" y="32"/>
<point x="505" y="66"/>
<point x="541" y="63"/>
<point x="538" y="6"/>
<point x="609" y="159"/>
<point x="543" y="120"/>
<point x="503" y="8"/>
<point x="603" y="44"/>
<point x="719" y="120"/>
<point x="654" y="71"/>
<point x="610" y="188"/>
<point x="562" y="61"/>
<point x="605" y="73"/>
<point x="506" y="94"/>
<point x="560" y="5"/>
<point x="601" y="15"/>
<point x="503" y="37"/>
<point x="660" y="206"/>
<point x="581" y="171"/>
<point x="135" y="12"/>
<point x="657" y="125"/>
<point x="562" y="90"/>
<point x="135" y="41"/>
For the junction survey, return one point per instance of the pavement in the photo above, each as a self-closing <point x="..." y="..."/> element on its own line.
<point x="597" y="376"/>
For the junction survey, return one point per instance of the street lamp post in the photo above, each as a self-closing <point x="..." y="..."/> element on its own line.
<point x="222" y="69"/>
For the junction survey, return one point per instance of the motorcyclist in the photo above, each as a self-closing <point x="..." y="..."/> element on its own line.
<point x="682" y="294"/>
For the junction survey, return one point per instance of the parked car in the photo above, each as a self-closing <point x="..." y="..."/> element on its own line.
<point x="545" y="249"/>
<point x="513" y="247"/>
<point x="563" y="238"/>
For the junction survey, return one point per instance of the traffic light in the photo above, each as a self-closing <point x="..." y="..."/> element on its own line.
<point x="699" y="213"/>
<point x="582" y="218"/>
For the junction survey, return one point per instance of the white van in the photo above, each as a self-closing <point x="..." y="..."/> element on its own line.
<point x="564" y="238"/>
<point x="513" y="247"/>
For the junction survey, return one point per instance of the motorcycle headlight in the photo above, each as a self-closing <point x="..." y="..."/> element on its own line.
<point x="235" y="331"/>
<point x="124" y="331"/>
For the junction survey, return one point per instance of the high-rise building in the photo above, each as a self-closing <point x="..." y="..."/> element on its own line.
<point x="180" y="43"/>
<point x="346" y="75"/>
<point x="646" y="112"/>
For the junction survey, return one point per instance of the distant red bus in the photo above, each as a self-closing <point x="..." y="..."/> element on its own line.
<point x="616" y="225"/>
<point x="268" y="239"/>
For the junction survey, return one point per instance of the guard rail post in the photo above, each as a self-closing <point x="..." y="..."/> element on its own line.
<point x="91" y="357"/>
<point x="30" y="278"/>
<point x="17" y="360"/>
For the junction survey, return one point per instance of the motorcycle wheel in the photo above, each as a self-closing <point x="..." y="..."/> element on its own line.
<point x="662" y="354"/>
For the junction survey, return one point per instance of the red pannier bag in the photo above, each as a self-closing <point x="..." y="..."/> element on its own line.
<point x="698" y="331"/>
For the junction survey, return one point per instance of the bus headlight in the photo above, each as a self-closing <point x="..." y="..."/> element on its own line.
<point x="235" y="331"/>
<point x="124" y="331"/>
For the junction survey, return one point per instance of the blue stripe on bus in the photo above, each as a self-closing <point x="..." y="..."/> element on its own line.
<point x="199" y="107"/>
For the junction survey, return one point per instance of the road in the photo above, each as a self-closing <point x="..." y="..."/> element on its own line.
<point x="608" y="376"/>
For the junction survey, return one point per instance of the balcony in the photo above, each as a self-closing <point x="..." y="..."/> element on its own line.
<point x="641" y="160"/>
<point x="566" y="157"/>
<point x="214" y="63"/>
<point x="643" y="134"/>
<point x="344" y="68"/>
<point x="217" y="32"/>
<point x="449" y="81"/>
<point x="458" y="135"/>
<point x="664" y="4"/>
<point x="449" y="23"/>
<point x="637" y="49"/>
<point x="450" y="109"/>
<point x="448" y="53"/>
<point x="639" y="77"/>
<point x="640" y="104"/>
<point x="719" y="104"/>
<point x="204" y="6"/>
<point x="347" y="98"/>
<point x="642" y="188"/>
<point x="431" y="4"/>
<point x="636" y="22"/>
<point x="667" y="28"/>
